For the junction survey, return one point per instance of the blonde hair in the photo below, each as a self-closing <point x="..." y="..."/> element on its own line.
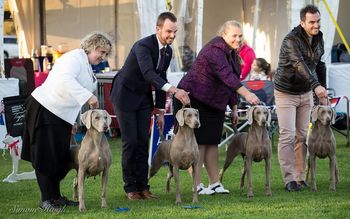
<point x="94" y="40"/>
<point x="227" y="24"/>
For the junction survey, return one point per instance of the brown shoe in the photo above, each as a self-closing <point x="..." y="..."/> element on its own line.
<point x="146" y="194"/>
<point x="133" y="196"/>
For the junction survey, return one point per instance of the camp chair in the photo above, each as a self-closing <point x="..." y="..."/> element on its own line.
<point x="341" y="124"/>
<point x="264" y="89"/>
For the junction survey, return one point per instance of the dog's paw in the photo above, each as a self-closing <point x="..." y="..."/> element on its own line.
<point x="268" y="193"/>
<point x="82" y="208"/>
<point x="104" y="204"/>
<point x="250" y="194"/>
<point x="332" y="188"/>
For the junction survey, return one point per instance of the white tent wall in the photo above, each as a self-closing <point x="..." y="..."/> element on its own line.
<point x="274" y="19"/>
<point x="148" y="12"/>
<point x="327" y="26"/>
<point x="343" y="21"/>
<point x="27" y="23"/>
<point x="127" y="28"/>
<point x="68" y="21"/>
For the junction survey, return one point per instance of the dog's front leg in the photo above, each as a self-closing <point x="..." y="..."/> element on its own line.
<point x="249" y="176"/>
<point x="177" y="186"/>
<point x="313" y="172"/>
<point x="81" y="178"/>
<point x="267" y="175"/>
<point x="332" y="172"/>
<point x="104" y="187"/>
<point x="194" y="186"/>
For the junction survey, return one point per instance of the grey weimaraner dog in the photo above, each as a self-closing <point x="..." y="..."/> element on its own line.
<point x="94" y="155"/>
<point x="321" y="143"/>
<point x="253" y="146"/>
<point x="181" y="152"/>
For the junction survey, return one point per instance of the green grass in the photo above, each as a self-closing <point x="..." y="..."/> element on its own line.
<point x="20" y="200"/>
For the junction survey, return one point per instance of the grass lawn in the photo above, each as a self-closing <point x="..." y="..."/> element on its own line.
<point x="20" y="200"/>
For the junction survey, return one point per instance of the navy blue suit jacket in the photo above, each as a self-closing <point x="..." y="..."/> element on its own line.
<point x="133" y="82"/>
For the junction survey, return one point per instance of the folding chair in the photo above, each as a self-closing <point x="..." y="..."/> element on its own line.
<point x="264" y="89"/>
<point x="341" y="124"/>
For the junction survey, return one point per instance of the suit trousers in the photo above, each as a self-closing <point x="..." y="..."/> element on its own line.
<point x="134" y="128"/>
<point x="293" y="112"/>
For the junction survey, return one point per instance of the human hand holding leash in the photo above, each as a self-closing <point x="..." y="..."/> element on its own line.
<point x="160" y="120"/>
<point x="234" y="115"/>
<point x="93" y="102"/>
<point x="181" y="95"/>
<point x="250" y="97"/>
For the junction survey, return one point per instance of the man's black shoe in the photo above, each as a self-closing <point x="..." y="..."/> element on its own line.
<point x="51" y="206"/>
<point x="63" y="201"/>
<point x="292" y="187"/>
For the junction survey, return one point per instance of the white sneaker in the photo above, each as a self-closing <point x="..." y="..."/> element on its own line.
<point x="201" y="190"/>
<point x="218" y="188"/>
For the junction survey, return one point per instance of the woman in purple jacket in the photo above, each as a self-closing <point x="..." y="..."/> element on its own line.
<point x="213" y="82"/>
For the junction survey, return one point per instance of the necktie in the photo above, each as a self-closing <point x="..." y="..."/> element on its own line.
<point x="161" y="66"/>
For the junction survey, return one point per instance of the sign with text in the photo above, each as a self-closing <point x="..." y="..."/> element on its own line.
<point x="14" y="115"/>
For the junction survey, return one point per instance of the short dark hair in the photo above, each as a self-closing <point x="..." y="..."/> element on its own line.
<point x="165" y="15"/>
<point x="308" y="9"/>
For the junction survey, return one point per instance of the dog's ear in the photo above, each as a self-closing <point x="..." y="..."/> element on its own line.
<point x="180" y="117"/>
<point x="314" y="113"/>
<point x="109" y="119"/>
<point x="199" y="121"/>
<point x="250" y="115"/>
<point x="268" y="118"/>
<point x="334" y="115"/>
<point x="86" y="118"/>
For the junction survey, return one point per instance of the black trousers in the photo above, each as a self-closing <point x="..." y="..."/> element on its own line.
<point x="134" y="128"/>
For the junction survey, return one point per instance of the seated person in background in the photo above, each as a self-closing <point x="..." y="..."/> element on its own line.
<point x="260" y="70"/>
<point x="101" y="67"/>
<point x="247" y="55"/>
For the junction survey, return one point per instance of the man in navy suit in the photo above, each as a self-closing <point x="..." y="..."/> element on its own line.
<point x="131" y="96"/>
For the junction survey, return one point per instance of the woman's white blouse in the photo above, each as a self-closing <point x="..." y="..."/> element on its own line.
<point x="68" y="86"/>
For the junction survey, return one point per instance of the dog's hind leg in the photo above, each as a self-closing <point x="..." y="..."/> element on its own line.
<point x="267" y="175"/>
<point x="332" y="172"/>
<point x="104" y="187"/>
<point x="157" y="162"/>
<point x="81" y="179"/>
<point x="168" y="178"/>
<point x="307" y="170"/>
<point x="232" y="152"/>
<point x="242" y="177"/>
<point x="75" y="188"/>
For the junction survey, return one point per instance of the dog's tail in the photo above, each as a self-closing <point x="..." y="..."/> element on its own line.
<point x="161" y="135"/>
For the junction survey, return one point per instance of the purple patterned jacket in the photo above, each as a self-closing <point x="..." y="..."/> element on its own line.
<point x="214" y="76"/>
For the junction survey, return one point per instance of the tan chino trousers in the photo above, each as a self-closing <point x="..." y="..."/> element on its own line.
<point x="293" y="112"/>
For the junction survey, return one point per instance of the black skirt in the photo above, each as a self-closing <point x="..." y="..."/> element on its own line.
<point x="46" y="140"/>
<point x="211" y="119"/>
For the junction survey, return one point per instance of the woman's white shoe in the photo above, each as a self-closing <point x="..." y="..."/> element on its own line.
<point x="201" y="190"/>
<point x="218" y="188"/>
